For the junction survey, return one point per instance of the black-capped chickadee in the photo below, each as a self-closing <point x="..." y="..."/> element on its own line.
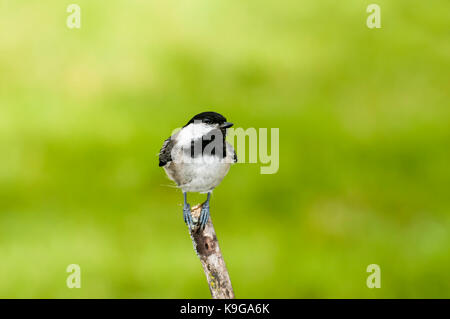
<point x="197" y="158"/>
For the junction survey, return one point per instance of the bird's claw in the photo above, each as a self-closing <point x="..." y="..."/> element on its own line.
<point x="187" y="216"/>
<point x="204" y="216"/>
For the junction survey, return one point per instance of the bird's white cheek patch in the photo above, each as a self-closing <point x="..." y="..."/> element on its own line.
<point x="193" y="132"/>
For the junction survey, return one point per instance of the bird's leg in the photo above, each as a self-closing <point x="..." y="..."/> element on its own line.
<point x="204" y="215"/>
<point x="187" y="212"/>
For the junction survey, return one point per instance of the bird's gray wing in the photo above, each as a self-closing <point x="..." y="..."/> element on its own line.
<point x="165" y="152"/>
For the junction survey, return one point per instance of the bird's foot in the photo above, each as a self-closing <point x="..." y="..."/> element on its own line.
<point x="204" y="216"/>
<point x="187" y="215"/>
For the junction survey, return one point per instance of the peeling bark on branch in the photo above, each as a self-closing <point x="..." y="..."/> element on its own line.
<point x="208" y="251"/>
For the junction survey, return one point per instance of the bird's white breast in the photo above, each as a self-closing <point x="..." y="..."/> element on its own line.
<point x="200" y="174"/>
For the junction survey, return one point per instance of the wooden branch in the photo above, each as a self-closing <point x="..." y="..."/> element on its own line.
<point x="208" y="251"/>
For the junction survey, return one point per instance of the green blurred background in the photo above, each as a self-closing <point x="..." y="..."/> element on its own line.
<point x="364" y="146"/>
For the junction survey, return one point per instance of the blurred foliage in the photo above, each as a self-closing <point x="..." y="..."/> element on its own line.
<point x="364" y="146"/>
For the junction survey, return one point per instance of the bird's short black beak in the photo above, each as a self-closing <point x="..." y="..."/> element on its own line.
<point x="226" y="125"/>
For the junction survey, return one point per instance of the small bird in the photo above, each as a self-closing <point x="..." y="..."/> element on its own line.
<point x="197" y="158"/>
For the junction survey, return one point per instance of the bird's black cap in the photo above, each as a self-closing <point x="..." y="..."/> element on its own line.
<point x="208" y="118"/>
